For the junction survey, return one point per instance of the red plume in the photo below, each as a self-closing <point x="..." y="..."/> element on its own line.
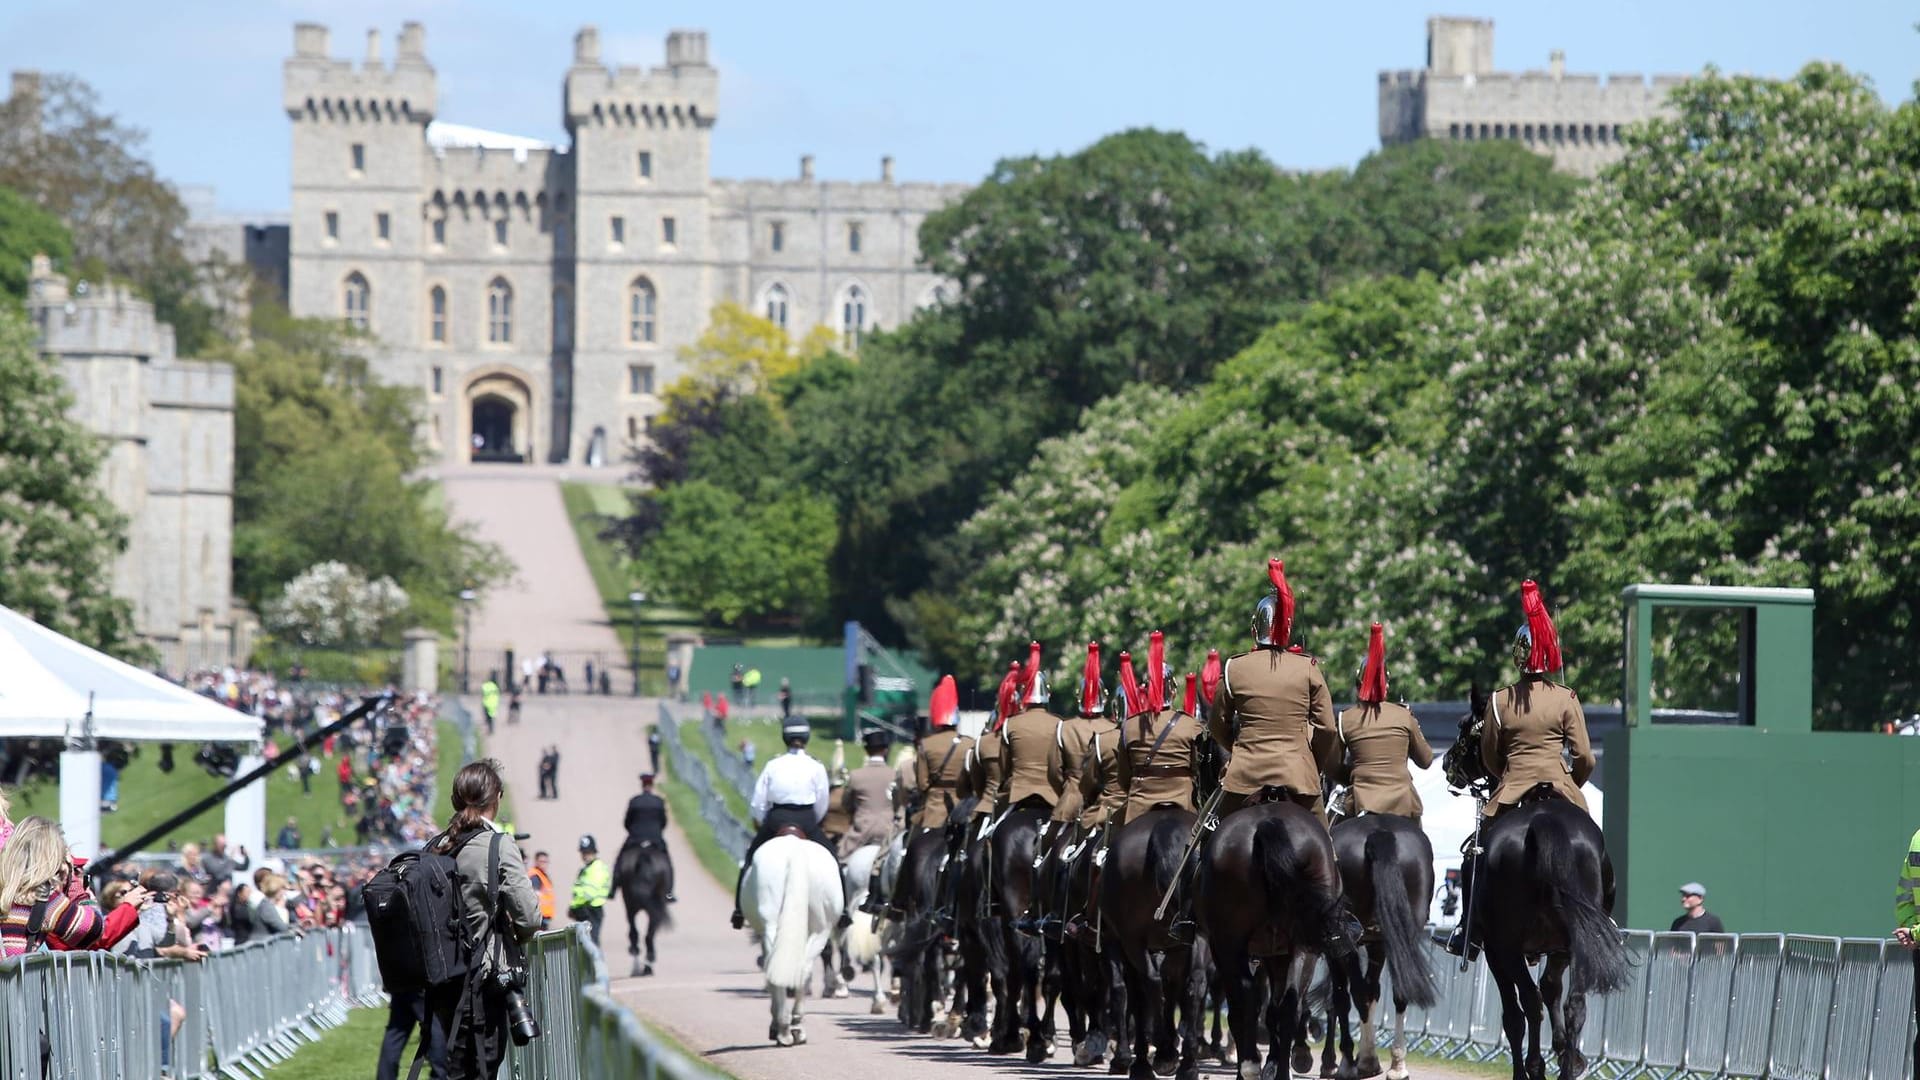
<point x="1373" y="677"/>
<point x="1007" y="700"/>
<point x="1157" y="671"/>
<point x="1277" y="573"/>
<point x="944" y="706"/>
<point x="1210" y="676"/>
<point x="1032" y="672"/>
<point x="1192" y="706"/>
<point x="1090" y="681"/>
<point x="1546" y="641"/>
<point x="1130" y="687"/>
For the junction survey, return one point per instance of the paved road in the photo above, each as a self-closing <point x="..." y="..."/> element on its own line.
<point x="706" y="990"/>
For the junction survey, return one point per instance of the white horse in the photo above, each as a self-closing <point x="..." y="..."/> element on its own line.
<point x="795" y="887"/>
<point x="865" y="939"/>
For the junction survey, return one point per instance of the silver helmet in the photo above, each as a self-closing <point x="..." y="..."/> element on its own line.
<point x="1039" y="693"/>
<point x="1523" y="651"/>
<point x="1265" y="615"/>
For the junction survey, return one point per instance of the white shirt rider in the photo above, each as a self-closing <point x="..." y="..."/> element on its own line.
<point x="795" y="778"/>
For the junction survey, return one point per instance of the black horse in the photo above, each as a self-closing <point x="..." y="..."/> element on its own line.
<point x="1269" y="890"/>
<point x="1011" y="862"/>
<point x="1386" y="869"/>
<point x="1163" y="977"/>
<point x="643" y="870"/>
<point x="917" y="956"/>
<point x="980" y="934"/>
<point x="1544" y="885"/>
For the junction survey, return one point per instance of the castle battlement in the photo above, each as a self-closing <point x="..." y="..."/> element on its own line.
<point x="191" y="384"/>
<point x="525" y="170"/>
<point x="317" y="86"/>
<point x="685" y="92"/>
<point x="840" y="194"/>
<point x="94" y="320"/>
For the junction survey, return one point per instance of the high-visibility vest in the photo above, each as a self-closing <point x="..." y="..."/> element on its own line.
<point x="1906" y="892"/>
<point x="545" y="884"/>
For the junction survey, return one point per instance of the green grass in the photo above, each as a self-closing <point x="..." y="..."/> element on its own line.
<point x="1423" y="1063"/>
<point x="685" y="807"/>
<point x="348" y="1052"/>
<point x="590" y="507"/>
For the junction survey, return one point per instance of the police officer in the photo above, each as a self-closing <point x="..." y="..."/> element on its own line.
<point x="1906" y="918"/>
<point x="791" y="792"/>
<point x="1273" y="711"/>
<point x="1030" y="744"/>
<point x="1533" y="734"/>
<point x="646" y="823"/>
<point x="1378" y="737"/>
<point x="591" y="888"/>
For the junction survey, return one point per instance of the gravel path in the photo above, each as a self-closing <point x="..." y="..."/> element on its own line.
<point x="706" y="990"/>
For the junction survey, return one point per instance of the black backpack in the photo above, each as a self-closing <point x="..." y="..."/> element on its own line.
<point x="413" y="911"/>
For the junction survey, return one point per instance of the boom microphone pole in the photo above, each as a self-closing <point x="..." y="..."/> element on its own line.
<point x="368" y="706"/>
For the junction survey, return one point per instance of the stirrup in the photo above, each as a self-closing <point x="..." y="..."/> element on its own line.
<point x="1051" y="927"/>
<point x="1079" y="930"/>
<point x="1182" y="931"/>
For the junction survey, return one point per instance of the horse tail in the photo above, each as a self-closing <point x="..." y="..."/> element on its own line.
<point x="1400" y="927"/>
<point x="655" y="900"/>
<point x="1554" y="857"/>
<point x="790" y="960"/>
<point x="1313" y="909"/>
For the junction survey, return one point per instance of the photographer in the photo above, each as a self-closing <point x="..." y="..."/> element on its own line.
<point x="476" y="1036"/>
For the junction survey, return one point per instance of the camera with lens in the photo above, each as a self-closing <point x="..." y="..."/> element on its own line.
<point x="512" y="984"/>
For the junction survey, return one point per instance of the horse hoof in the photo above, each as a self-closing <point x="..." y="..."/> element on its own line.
<point x="1038" y="1050"/>
<point x="647" y="971"/>
<point x="1302" y="1060"/>
<point x="1189" y="1071"/>
<point x="840" y="992"/>
<point x="1164" y="1064"/>
<point x="1119" y="1066"/>
<point x="942" y="1031"/>
<point x="1004" y="1045"/>
<point x="799" y="1035"/>
<point x="1141" y="1070"/>
<point x="1574" y="1067"/>
<point x="1096" y="1046"/>
<point x="1397" y="1071"/>
<point x="1369" y="1066"/>
<point x="774" y="1033"/>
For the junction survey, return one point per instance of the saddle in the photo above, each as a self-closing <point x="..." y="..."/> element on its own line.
<point x="789" y="830"/>
<point x="1541" y="792"/>
<point x="1272" y="793"/>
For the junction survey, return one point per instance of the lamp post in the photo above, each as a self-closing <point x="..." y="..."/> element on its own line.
<point x="466" y="638"/>
<point x="636" y="598"/>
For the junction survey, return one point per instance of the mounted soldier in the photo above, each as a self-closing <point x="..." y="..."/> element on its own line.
<point x="1099" y="779"/>
<point x="1274" y="713"/>
<point x="937" y="769"/>
<point x="985" y="782"/>
<point x="1531" y="738"/>
<point x="1377" y="739"/>
<point x="1030" y="745"/>
<point x="868" y="805"/>
<point x="1157" y="763"/>
<point x="790" y="796"/>
<point x="1075" y="738"/>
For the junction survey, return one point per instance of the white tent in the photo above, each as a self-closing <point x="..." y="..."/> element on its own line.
<point x="1448" y="821"/>
<point x="48" y="683"/>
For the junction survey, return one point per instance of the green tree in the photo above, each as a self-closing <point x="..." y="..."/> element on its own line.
<point x="59" y="534"/>
<point x="735" y="560"/>
<point x="61" y="151"/>
<point x="26" y="231"/>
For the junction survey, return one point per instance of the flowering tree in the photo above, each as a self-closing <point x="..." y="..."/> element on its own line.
<point x="331" y="603"/>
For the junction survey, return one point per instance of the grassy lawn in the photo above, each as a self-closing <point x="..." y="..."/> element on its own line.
<point x="149" y="796"/>
<point x="348" y="1052"/>
<point x="591" y="507"/>
<point x="685" y="807"/>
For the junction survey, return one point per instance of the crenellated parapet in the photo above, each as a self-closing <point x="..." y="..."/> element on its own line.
<point x="317" y="87"/>
<point x="683" y="93"/>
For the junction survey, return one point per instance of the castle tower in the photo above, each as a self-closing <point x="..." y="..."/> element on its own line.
<point x="359" y="151"/>
<point x="641" y="156"/>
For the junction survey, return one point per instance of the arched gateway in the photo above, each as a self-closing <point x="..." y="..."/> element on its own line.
<point x="499" y="418"/>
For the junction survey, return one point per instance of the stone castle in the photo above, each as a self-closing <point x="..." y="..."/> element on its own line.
<point x="168" y="426"/>
<point x="537" y="295"/>
<point x="1574" y="119"/>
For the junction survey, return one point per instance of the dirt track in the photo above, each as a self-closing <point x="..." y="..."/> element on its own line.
<point x="706" y="992"/>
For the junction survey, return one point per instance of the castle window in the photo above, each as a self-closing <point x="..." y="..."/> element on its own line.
<point x="1529" y="132"/>
<point x="1484" y="131"/>
<point x="853" y="238"/>
<point x="1559" y="133"/>
<point x="359" y="158"/>
<point x="357" y="301"/>
<point x="777" y="236"/>
<point x="641" y="300"/>
<point x="669" y="231"/>
<point x="437" y="320"/>
<point x="777" y="306"/>
<point x="333" y="226"/>
<point x="499" y="312"/>
<point x="1453" y="131"/>
<point x="1603" y="133"/>
<point x="439" y="232"/>
<point x="500" y="232"/>
<point x="1616" y="133"/>
<point x="619" y="226"/>
<point x="853" y="317"/>
<point x="439" y="380"/>
<point x="645" y="164"/>
<point x="1499" y="131"/>
<point x="633" y="429"/>
<point x="383" y="226"/>
<point x="639" y="379"/>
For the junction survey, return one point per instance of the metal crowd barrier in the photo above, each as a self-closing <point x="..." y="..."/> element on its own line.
<point x="732" y="834"/>
<point x="585" y="1032"/>
<point x="98" y="1016"/>
<point x="727" y="759"/>
<point x="1759" y="1006"/>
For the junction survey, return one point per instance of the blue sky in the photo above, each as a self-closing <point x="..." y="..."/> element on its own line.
<point x="945" y="88"/>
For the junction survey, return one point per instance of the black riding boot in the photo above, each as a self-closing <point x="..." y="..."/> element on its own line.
<point x="1457" y="942"/>
<point x="875" y="903"/>
<point x="1182" y="929"/>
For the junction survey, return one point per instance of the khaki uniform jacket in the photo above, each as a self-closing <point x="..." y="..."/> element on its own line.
<point x="1030" y="757"/>
<point x="983" y="777"/>
<point x="1145" y="777"/>
<point x="869" y="809"/>
<point x="1099" y="774"/>
<point x="1286" y="735"/>
<point x="1380" y="740"/>
<point x="1521" y="738"/>
<point x="936" y="775"/>
<point x="903" y="787"/>
<point x="1076" y="735"/>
